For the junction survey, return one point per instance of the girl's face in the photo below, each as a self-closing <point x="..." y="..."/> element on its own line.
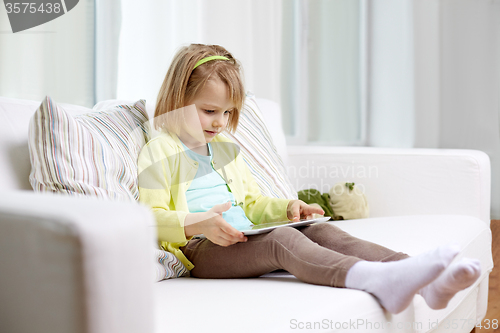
<point x="213" y="107"/>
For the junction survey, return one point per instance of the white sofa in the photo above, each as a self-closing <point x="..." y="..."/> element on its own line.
<point x="72" y="264"/>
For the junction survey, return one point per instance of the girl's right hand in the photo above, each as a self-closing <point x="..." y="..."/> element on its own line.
<point x="217" y="230"/>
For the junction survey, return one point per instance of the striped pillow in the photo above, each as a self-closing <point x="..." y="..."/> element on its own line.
<point x="168" y="266"/>
<point x="260" y="153"/>
<point x="91" y="154"/>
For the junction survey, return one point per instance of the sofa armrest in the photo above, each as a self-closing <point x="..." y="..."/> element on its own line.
<point x="75" y="264"/>
<point x="400" y="181"/>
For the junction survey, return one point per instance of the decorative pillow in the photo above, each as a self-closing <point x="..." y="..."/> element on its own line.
<point x="260" y="154"/>
<point x="91" y="154"/>
<point x="349" y="201"/>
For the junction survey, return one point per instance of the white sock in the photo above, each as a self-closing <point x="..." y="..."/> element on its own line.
<point x="395" y="283"/>
<point x="456" y="277"/>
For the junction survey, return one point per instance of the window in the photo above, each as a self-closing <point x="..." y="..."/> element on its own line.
<point x="323" y="72"/>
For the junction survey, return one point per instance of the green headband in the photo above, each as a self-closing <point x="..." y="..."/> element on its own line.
<point x="204" y="60"/>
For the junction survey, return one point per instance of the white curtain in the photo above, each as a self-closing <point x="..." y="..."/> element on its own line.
<point x="251" y="30"/>
<point x="391" y="100"/>
<point x="55" y="58"/>
<point x="334" y="67"/>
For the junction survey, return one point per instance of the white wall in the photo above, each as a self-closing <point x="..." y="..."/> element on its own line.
<point x="55" y="58"/>
<point x="435" y="77"/>
<point x="469" y="86"/>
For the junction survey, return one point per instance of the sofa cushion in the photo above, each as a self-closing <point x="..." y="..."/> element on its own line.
<point x="271" y="111"/>
<point x="260" y="153"/>
<point x="281" y="303"/>
<point x="91" y="154"/>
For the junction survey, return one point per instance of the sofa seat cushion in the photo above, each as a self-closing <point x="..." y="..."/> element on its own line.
<point x="280" y="302"/>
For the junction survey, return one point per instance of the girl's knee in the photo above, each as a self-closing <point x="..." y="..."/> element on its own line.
<point x="285" y="235"/>
<point x="323" y="228"/>
<point x="323" y="231"/>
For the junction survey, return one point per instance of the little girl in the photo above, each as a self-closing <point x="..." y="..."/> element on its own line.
<point x="196" y="183"/>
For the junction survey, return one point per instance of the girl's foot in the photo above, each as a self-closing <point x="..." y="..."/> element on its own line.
<point x="455" y="278"/>
<point x="395" y="283"/>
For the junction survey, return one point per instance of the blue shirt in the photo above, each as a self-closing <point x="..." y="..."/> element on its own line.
<point x="208" y="189"/>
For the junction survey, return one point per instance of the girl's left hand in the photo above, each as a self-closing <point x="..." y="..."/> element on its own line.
<point x="299" y="209"/>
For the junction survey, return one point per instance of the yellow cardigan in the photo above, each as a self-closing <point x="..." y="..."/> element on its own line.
<point x="165" y="174"/>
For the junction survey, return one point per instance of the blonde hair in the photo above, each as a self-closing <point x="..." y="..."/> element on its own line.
<point x="182" y="83"/>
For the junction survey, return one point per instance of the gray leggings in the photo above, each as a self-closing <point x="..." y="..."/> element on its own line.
<point x="319" y="254"/>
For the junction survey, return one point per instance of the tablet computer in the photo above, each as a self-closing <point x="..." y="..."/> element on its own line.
<point x="262" y="228"/>
<point x="266" y="227"/>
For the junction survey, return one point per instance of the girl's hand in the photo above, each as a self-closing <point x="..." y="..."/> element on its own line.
<point x="298" y="209"/>
<point x="217" y="230"/>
